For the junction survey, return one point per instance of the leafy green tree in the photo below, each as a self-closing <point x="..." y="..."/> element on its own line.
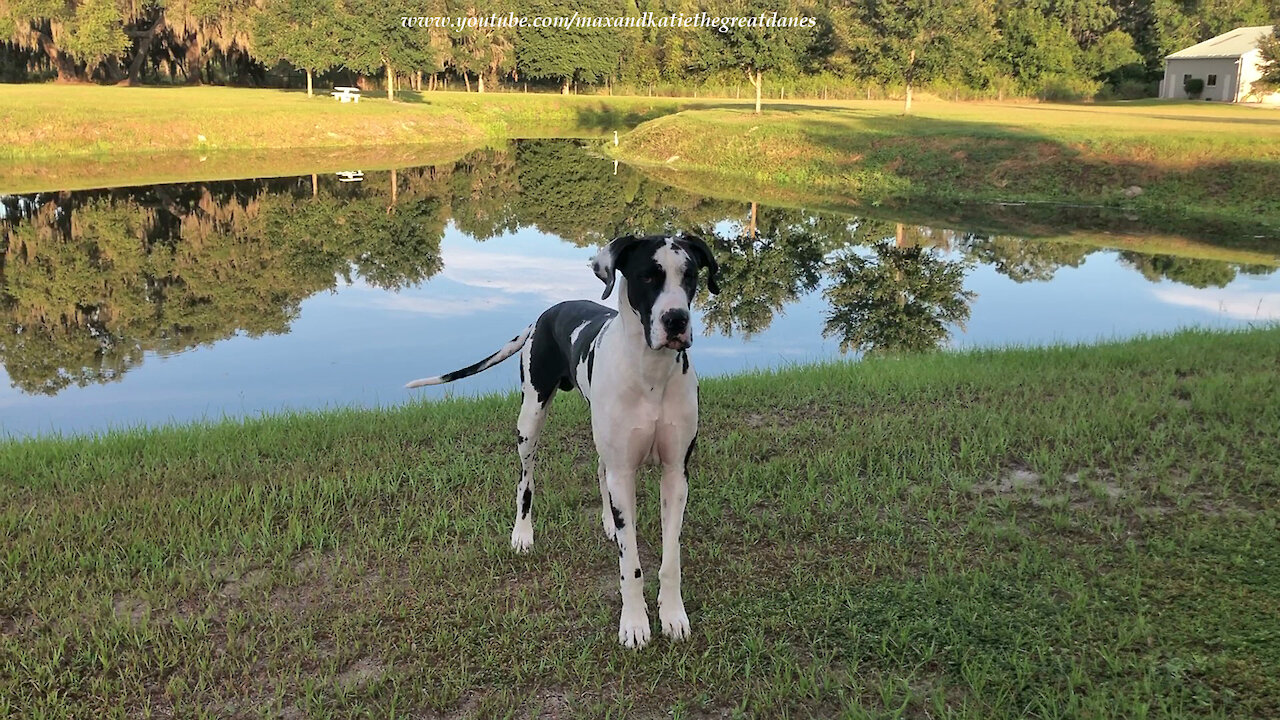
<point x="759" y="48"/>
<point x="75" y="35"/>
<point x="1111" y="57"/>
<point x="302" y="32"/>
<point x="565" y="54"/>
<point x="1270" y="49"/>
<point x="913" y="41"/>
<point x="1034" y="47"/>
<point x="478" y="49"/>
<point x="896" y="300"/>
<point x="372" y="36"/>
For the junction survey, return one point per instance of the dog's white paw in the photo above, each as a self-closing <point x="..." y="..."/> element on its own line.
<point x="675" y="623"/>
<point x="633" y="628"/>
<point x="522" y="537"/>
<point x="606" y="519"/>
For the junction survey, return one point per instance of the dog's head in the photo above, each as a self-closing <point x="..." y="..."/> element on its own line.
<point x="660" y="278"/>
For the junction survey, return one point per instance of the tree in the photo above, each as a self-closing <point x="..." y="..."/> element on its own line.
<point x="75" y="35"/>
<point x="480" y="50"/>
<point x="763" y="45"/>
<point x="1270" y="56"/>
<point x="371" y="36"/>
<point x="301" y="32"/>
<point x="919" y="40"/>
<point x="584" y="53"/>
<point x="898" y="299"/>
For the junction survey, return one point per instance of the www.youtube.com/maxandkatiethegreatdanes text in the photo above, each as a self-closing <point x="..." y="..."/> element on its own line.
<point x="643" y="20"/>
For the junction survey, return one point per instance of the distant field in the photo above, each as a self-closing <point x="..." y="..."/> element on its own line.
<point x="1193" y="162"/>
<point x="1203" y="169"/>
<point x="1064" y="532"/>
<point x="40" y="121"/>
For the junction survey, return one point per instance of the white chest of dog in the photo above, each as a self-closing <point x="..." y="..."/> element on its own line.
<point x="633" y="368"/>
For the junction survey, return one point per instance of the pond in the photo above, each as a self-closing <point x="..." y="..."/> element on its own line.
<point x="149" y="305"/>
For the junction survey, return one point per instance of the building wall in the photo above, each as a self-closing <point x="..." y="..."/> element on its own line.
<point x="1251" y="70"/>
<point x="1225" y="69"/>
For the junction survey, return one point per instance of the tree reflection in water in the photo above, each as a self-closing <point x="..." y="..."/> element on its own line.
<point x="897" y="299"/>
<point x="90" y="282"/>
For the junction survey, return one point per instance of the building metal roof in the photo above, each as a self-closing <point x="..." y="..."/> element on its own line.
<point x="1227" y="45"/>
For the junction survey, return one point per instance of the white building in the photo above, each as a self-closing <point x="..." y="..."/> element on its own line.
<point x="1228" y="65"/>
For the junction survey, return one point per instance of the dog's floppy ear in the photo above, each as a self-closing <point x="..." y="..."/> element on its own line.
<point x="606" y="261"/>
<point x="702" y="253"/>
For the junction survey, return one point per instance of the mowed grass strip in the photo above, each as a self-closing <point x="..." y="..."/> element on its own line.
<point x="1063" y="532"/>
<point x="1192" y="161"/>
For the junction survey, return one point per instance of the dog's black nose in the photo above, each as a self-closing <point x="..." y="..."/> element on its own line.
<point x="675" y="321"/>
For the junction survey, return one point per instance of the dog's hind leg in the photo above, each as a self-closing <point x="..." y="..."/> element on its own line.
<point x="533" y="415"/>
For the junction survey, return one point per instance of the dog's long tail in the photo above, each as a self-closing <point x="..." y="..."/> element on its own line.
<point x="511" y="348"/>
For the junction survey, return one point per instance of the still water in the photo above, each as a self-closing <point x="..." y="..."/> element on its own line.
<point x="148" y="305"/>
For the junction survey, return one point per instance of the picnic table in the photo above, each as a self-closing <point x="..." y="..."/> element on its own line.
<point x="345" y="94"/>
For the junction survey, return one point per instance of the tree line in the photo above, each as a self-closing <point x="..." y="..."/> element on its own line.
<point x="1055" y="49"/>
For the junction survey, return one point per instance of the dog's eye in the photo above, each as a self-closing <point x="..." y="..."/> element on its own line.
<point x="653" y="278"/>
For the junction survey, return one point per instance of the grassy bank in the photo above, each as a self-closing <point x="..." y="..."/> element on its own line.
<point x="1072" y="532"/>
<point x="1196" y="164"/>
<point x="59" y="137"/>
<point x="44" y="121"/>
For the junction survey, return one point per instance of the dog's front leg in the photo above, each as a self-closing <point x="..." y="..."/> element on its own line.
<point x="633" y="626"/>
<point x="675" y="491"/>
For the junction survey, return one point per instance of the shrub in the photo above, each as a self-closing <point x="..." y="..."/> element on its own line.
<point x="1193" y="86"/>
<point x="1061" y="88"/>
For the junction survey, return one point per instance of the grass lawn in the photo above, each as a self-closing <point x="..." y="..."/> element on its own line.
<point x="1065" y="532"/>
<point x="1196" y="163"/>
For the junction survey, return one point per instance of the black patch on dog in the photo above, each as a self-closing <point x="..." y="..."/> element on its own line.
<point x="689" y="453"/>
<point x="618" y="522"/>
<point x="552" y="358"/>
<point x="525" y="502"/>
<point x="591" y="362"/>
<point x="698" y="249"/>
<point x="521" y="439"/>
<point x="637" y="573"/>
<point x="684" y="362"/>
<point x="645" y="276"/>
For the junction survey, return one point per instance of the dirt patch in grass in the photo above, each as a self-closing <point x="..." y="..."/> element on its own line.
<point x="239" y="584"/>
<point x="360" y="673"/>
<point x="131" y="608"/>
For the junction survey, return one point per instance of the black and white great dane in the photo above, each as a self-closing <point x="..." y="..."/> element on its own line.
<point x="633" y="368"/>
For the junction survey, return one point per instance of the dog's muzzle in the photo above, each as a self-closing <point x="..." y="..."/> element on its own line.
<point x="676" y="325"/>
